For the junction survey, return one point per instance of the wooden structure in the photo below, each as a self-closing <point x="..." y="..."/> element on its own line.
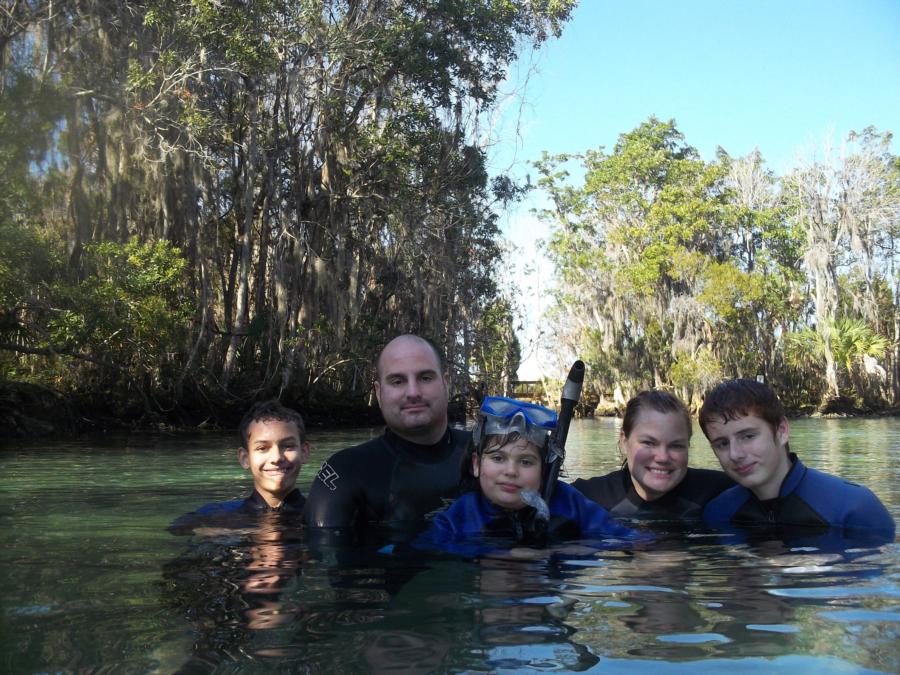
<point x="528" y="390"/>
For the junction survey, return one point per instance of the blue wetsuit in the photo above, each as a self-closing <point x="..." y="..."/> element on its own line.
<point x="236" y="513"/>
<point x="572" y="516"/>
<point x="809" y="503"/>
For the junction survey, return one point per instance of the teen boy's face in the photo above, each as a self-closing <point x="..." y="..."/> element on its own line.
<point x="504" y="471"/>
<point x="751" y="452"/>
<point x="274" y="455"/>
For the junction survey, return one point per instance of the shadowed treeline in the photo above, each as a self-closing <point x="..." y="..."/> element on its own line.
<point x="205" y="202"/>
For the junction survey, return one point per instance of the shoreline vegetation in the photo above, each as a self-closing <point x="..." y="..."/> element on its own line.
<point x="208" y="204"/>
<point x="29" y="411"/>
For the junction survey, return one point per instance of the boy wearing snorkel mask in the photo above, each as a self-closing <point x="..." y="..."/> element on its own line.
<point x="504" y="482"/>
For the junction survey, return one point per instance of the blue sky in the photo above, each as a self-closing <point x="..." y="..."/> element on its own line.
<point x="780" y="76"/>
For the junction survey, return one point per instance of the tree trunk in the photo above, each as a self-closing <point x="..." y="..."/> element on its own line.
<point x="242" y="292"/>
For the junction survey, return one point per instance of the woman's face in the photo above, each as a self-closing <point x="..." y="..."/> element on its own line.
<point x="656" y="452"/>
<point x="503" y="471"/>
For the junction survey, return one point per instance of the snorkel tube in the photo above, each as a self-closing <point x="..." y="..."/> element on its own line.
<point x="556" y="453"/>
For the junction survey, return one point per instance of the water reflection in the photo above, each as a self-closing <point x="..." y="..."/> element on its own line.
<point x="235" y="584"/>
<point x="746" y="601"/>
<point x="83" y="541"/>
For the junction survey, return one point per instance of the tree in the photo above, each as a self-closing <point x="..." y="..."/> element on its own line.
<point x="313" y="163"/>
<point x="631" y="246"/>
<point x="847" y="205"/>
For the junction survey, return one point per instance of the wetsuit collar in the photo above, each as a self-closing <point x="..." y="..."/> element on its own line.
<point x="794" y="476"/>
<point x="423" y="453"/>
<point x="292" y="502"/>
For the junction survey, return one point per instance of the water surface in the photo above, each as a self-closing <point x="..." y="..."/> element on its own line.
<point x="91" y="580"/>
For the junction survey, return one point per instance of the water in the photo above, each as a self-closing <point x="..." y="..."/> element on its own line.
<point x="90" y="581"/>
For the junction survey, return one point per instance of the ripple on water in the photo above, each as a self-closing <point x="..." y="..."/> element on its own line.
<point x="623" y="588"/>
<point x="835" y="592"/>
<point x="773" y="627"/>
<point x="860" y="615"/>
<point x="693" y="638"/>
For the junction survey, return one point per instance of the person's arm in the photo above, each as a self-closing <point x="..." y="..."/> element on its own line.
<point x="334" y="496"/>
<point x="459" y="529"/>
<point x="592" y="518"/>
<point x="211" y="518"/>
<point x="869" y="515"/>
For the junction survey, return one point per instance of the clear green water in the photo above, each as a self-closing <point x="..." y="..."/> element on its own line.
<point x="91" y="581"/>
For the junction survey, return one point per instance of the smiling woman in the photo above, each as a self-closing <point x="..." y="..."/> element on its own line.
<point x="655" y="481"/>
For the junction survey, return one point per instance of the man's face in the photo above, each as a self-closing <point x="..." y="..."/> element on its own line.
<point x="751" y="452"/>
<point x="412" y="392"/>
<point x="274" y="455"/>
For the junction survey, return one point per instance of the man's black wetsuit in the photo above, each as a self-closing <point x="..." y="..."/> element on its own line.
<point x="387" y="481"/>
<point x="615" y="492"/>
<point x="236" y="512"/>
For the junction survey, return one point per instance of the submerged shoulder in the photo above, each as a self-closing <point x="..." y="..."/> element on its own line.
<point x="827" y="486"/>
<point x="374" y="444"/>
<point x="565" y="491"/>
<point x="207" y="514"/>
<point x="216" y="508"/>
<point x="601" y="488"/>
<point x="610" y="478"/>
<point x="723" y="506"/>
<point x="569" y="501"/>
<point x="358" y="453"/>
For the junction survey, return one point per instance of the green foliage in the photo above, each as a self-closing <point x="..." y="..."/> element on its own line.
<point x="639" y="233"/>
<point x="28" y="112"/>
<point x="678" y="272"/>
<point x="315" y="162"/>
<point x="29" y="259"/>
<point x="700" y="371"/>
<point x="850" y="339"/>
<point x="496" y="352"/>
<point x="120" y="328"/>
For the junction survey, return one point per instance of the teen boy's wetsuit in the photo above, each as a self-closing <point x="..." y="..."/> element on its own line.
<point x="388" y="481"/>
<point x="236" y="513"/>
<point x="572" y="516"/>
<point x="809" y="500"/>
<point x="615" y="492"/>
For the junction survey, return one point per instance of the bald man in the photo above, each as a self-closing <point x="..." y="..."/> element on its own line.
<point x="387" y="486"/>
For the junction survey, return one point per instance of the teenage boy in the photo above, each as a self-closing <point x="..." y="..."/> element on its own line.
<point x="273" y="449"/>
<point x="745" y="424"/>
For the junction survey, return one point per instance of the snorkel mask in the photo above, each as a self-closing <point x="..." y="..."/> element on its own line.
<point x="500" y="416"/>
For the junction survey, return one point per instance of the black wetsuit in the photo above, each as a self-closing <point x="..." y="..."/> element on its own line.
<point x="615" y="492"/>
<point x="236" y="513"/>
<point x="389" y="482"/>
